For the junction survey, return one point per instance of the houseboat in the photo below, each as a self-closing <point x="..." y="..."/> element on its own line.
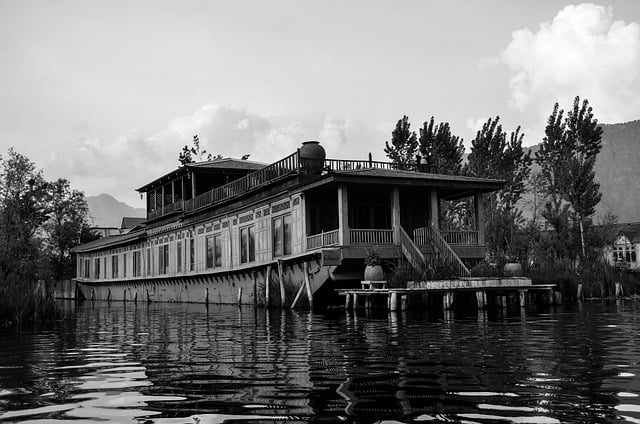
<point x="280" y="234"/>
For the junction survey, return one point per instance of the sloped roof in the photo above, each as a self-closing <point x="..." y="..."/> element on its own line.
<point x="631" y="230"/>
<point x="129" y="222"/>
<point x="110" y="241"/>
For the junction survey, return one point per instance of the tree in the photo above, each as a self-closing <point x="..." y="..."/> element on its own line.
<point x="404" y="143"/>
<point x="68" y="219"/>
<point x="440" y="148"/>
<point x="493" y="155"/>
<point x="188" y="153"/>
<point x="567" y="159"/>
<point x="23" y="209"/>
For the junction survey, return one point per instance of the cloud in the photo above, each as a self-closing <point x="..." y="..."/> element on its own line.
<point x="118" y="166"/>
<point x="582" y="51"/>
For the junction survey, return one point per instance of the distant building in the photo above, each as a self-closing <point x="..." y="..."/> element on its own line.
<point x="105" y="231"/>
<point x="625" y="248"/>
<point x="130" y="223"/>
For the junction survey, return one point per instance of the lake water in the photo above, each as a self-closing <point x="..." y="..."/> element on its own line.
<point x="178" y="363"/>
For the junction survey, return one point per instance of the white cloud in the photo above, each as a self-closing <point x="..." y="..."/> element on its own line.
<point x="582" y="51"/>
<point x="118" y="166"/>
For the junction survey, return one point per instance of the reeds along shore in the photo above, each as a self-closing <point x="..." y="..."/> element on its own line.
<point x="25" y="301"/>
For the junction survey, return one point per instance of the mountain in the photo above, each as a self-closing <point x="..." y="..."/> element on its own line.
<point x="617" y="171"/>
<point x="108" y="211"/>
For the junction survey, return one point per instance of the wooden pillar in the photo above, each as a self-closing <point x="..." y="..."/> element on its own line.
<point x="447" y="300"/>
<point x="266" y="286"/>
<point x="162" y="198"/>
<point x="395" y="214"/>
<point x="193" y="185"/>
<point x="433" y="209"/>
<point x="393" y="301"/>
<point x="479" y="217"/>
<point x="281" y="283"/>
<point x="618" y="292"/>
<point x="522" y="298"/>
<point x="355" y="301"/>
<point x="404" y="299"/>
<point x="481" y="298"/>
<point x="307" y="284"/>
<point x="173" y="191"/>
<point x="579" y="293"/>
<point x="367" y="302"/>
<point x="501" y="301"/>
<point x="304" y="214"/>
<point x="347" y="301"/>
<point x="343" y="215"/>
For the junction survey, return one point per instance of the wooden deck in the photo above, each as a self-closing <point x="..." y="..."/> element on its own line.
<point x="502" y="288"/>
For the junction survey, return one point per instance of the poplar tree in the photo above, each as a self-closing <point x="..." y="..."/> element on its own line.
<point x="494" y="155"/>
<point x="404" y="143"/>
<point x="440" y="148"/>
<point x="567" y="159"/>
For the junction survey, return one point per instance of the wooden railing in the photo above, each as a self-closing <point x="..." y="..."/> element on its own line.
<point x="445" y="251"/>
<point x="263" y="176"/>
<point x="176" y="206"/>
<point x="347" y="165"/>
<point x="411" y="251"/>
<point x="460" y="237"/>
<point x="370" y="236"/>
<point x="316" y="241"/>
<point x="420" y="237"/>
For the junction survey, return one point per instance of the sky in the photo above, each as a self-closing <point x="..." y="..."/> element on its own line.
<point x="106" y="93"/>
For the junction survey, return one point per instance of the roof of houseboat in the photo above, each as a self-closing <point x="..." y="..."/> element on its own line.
<point x="110" y="241"/>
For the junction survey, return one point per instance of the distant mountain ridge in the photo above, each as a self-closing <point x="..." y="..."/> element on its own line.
<point x="107" y="211"/>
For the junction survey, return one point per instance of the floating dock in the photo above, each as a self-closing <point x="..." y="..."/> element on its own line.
<point x="502" y="289"/>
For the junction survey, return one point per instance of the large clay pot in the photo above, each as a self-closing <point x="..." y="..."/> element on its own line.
<point x="373" y="273"/>
<point x="312" y="157"/>
<point x="512" y="269"/>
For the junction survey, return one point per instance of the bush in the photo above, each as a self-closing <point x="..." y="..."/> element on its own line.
<point x="23" y="302"/>
<point x="486" y="269"/>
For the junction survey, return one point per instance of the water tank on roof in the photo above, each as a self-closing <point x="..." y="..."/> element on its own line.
<point x="312" y="157"/>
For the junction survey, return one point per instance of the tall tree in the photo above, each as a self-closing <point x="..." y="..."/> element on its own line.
<point x="494" y="155"/>
<point x="567" y="159"/>
<point x="440" y="148"/>
<point x="68" y="218"/>
<point x="404" y="143"/>
<point x="23" y="209"/>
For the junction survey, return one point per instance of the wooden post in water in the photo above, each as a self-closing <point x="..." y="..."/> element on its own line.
<point x="347" y="300"/>
<point x="355" y="301"/>
<point x="447" y="300"/>
<point x="393" y="301"/>
<point x="367" y="301"/>
<point x="501" y="301"/>
<point x="267" y="302"/>
<point x="481" y="299"/>
<point x="298" y="294"/>
<point x="579" y="293"/>
<point x="239" y="295"/>
<point x="281" y="282"/>
<point x="404" y="298"/>
<point x="307" y="284"/>
<point x="522" y="297"/>
<point x="618" y="289"/>
<point x="557" y="298"/>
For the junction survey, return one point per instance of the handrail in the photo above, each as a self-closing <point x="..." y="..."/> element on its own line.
<point x="446" y="251"/>
<point x="370" y="236"/>
<point x="411" y="251"/>
<point x="347" y="165"/>
<point x="464" y="237"/>
<point x="251" y="181"/>
<point x="316" y="241"/>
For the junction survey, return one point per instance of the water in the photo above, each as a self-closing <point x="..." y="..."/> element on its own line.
<point x="172" y="363"/>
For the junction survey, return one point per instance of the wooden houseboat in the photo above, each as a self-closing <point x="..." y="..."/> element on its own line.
<point x="282" y="234"/>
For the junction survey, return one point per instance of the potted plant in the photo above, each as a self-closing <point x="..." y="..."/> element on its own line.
<point x="373" y="270"/>
<point x="512" y="268"/>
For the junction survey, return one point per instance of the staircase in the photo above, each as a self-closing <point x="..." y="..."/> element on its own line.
<point x="428" y="234"/>
<point x="411" y="251"/>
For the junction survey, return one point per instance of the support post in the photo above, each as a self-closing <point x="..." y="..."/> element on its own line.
<point x="447" y="300"/>
<point x="618" y="289"/>
<point x="393" y="301"/>
<point x="404" y="301"/>
<point x="343" y="215"/>
<point x="281" y="283"/>
<point x="267" y="277"/>
<point x="481" y="299"/>
<point x="479" y="217"/>
<point x="355" y="301"/>
<point x="434" y="219"/>
<point x="395" y="214"/>
<point x="522" y="297"/>
<point x="557" y="298"/>
<point x="239" y="295"/>
<point x="579" y="293"/>
<point x="367" y="302"/>
<point x="347" y="301"/>
<point x="193" y="185"/>
<point x="307" y="284"/>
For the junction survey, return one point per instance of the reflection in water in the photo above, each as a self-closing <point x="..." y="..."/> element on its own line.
<point x="172" y="363"/>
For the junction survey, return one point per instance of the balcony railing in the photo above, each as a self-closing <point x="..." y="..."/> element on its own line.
<point x="167" y="209"/>
<point x="370" y="236"/>
<point x="347" y="165"/>
<point x="316" y="241"/>
<point x="465" y="237"/>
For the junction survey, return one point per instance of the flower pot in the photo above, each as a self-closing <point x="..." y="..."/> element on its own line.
<point x="512" y="269"/>
<point x="373" y="273"/>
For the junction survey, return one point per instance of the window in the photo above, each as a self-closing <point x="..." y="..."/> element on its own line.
<point x="163" y="259"/>
<point x="137" y="266"/>
<point x="179" y="256"/>
<point x="87" y="264"/>
<point x="96" y="268"/>
<point x="282" y="235"/>
<point x="114" y="266"/>
<point x="213" y="246"/>
<point x="192" y="255"/>
<point x="148" y="261"/>
<point x="124" y="265"/>
<point x="247" y="245"/>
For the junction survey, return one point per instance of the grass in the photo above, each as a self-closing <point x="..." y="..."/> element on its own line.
<point x="24" y="301"/>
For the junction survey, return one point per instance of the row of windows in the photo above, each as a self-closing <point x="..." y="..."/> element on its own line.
<point x="281" y="246"/>
<point x="625" y="253"/>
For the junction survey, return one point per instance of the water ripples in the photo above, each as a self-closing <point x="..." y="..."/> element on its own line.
<point x="175" y="363"/>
